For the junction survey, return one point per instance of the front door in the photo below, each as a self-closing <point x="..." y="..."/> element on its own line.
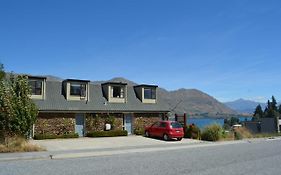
<point x="128" y="123"/>
<point x="79" y="124"/>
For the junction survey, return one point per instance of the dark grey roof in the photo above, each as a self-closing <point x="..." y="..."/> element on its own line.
<point x="56" y="101"/>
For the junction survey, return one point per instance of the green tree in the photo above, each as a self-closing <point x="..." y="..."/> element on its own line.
<point x="17" y="111"/>
<point x="2" y="72"/>
<point x="273" y="103"/>
<point x="271" y="110"/>
<point x="279" y="109"/>
<point x="258" y="113"/>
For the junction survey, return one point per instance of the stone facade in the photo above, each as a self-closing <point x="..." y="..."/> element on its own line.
<point x="141" y="120"/>
<point x="64" y="123"/>
<point x="55" y="123"/>
<point x="96" y="122"/>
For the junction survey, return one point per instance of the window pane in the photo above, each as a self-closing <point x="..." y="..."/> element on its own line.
<point x="75" y="89"/>
<point x="36" y="87"/>
<point x="176" y="125"/>
<point x="153" y="93"/>
<point x="118" y="92"/>
<point x="83" y="90"/>
<point x="147" y="93"/>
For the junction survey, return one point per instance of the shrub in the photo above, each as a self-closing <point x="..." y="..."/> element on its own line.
<point x="139" y="131"/>
<point x="111" y="133"/>
<point x="212" y="133"/>
<point x="52" y="136"/>
<point x="241" y="133"/>
<point x="192" y="131"/>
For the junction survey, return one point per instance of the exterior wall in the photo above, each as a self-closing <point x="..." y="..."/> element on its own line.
<point x="141" y="120"/>
<point x="96" y="122"/>
<point x="55" y="123"/>
<point x="268" y="125"/>
<point x="254" y="127"/>
<point x="64" y="123"/>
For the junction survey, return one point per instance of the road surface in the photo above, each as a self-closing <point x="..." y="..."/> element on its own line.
<point x="254" y="157"/>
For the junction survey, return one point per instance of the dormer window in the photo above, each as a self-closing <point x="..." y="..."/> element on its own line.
<point x="115" y="92"/>
<point x="146" y="93"/>
<point x="76" y="89"/>
<point x="149" y="93"/>
<point x="37" y="85"/>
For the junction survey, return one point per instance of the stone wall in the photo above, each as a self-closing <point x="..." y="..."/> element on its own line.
<point x="96" y="122"/>
<point x="141" y="120"/>
<point x="55" y="123"/>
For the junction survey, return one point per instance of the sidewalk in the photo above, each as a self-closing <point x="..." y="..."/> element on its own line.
<point x="87" y="147"/>
<point x="91" y="147"/>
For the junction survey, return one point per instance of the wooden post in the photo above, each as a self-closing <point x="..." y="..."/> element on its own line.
<point x="184" y="119"/>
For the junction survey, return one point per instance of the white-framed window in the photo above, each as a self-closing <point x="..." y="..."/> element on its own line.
<point x="78" y="89"/>
<point x="36" y="87"/>
<point x="149" y="93"/>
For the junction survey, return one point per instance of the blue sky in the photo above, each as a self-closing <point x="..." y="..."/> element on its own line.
<point x="228" y="49"/>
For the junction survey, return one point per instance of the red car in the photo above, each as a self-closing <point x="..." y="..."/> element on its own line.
<point x="165" y="129"/>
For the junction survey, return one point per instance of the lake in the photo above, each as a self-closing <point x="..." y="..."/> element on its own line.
<point x="202" y="122"/>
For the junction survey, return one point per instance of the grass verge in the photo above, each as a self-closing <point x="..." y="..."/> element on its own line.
<point x="19" y="145"/>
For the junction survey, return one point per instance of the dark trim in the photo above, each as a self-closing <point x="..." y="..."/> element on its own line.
<point x="90" y="111"/>
<point x="35" y="77"/>
<point x="113" y="83"/>
<point x="146" y="85"/>
<point x="77" y="80"/>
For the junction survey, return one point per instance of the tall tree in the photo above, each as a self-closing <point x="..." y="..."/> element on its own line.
<point x="273" y="103"/>
<point x="279" y="109"/>
<point x="2" y="72"/>
<point x="258" y="113"/>
<point x="17" y="111"/>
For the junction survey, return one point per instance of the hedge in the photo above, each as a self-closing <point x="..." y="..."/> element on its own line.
<point x="52" y="136"/>
<point x="112" y="133"/>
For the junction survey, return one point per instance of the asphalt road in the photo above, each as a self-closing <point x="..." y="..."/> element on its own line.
<point x="255" y="157"/>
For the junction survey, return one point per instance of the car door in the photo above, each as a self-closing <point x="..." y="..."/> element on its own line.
<point x="154" y="129"/>
<point x="162" y="129"/>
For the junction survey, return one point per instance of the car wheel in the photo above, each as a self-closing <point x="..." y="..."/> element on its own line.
<point x="146" y="134"/>
<point x="166" y="137"/>
<point x="179" y="139"/>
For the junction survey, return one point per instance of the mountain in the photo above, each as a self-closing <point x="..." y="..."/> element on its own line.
<point x="244" y="106"/>
<point x="194" y="102"/>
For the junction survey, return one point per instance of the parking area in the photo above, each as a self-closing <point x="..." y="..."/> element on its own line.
<point x="85" y="143"/>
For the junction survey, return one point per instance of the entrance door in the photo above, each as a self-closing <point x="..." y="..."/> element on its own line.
<point x="128" y="123"/>
<point x="79" y="124"/>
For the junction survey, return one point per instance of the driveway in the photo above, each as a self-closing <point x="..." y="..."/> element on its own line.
<point x="85" y="143"/>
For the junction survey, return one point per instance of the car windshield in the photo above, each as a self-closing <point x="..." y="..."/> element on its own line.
<point x="175" y="125"/>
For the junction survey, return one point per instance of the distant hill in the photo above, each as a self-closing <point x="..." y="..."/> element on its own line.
<point x="195" y="103"/>
<point x="244" y="106"/>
